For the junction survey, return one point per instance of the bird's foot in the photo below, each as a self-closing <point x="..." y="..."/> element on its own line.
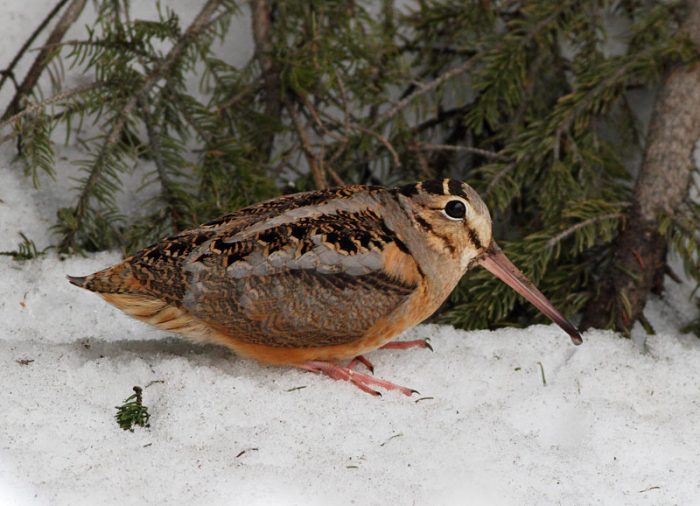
<point x="404" y="345"/>
<point x="361" y="360"/>
<point x="362" y="381"/>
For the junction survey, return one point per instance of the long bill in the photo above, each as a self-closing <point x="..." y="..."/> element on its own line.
<point x="497" y="263"/>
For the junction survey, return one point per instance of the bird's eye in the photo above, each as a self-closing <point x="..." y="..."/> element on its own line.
<point x="455" y="209"/>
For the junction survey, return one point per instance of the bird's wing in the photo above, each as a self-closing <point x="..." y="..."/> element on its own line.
<point x="284" y="208"/>
<point x="315" y="280"/>
<point x="158" y="270"/>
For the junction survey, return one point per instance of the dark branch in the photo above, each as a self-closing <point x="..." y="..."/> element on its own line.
<point x="8" y="73"/>
<point x="69" y="17"/>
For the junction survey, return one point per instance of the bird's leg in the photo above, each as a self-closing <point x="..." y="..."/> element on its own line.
<point x="404" y="345"/>
<point x="361" y="360"/>
<point x="360" y="380"/>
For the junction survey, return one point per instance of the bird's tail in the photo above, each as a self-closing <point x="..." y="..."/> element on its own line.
<point x="77" y="280"/>
<point x="116" y="279"/>
<point x="119" y="286"/>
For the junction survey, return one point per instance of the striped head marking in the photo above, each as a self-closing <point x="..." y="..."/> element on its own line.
<point x="454" y="219"/>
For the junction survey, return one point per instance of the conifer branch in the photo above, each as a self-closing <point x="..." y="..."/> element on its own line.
<point x="425" y="146"/>
<point x="495" y="180"/>
<point x="315" y="162"/>
<point x="581" y="224"/>
<point x="262" y="25"/>
<point x="198" y="25"/>
<point x="167" y="185"/>
<point x="442" y="117"/>
<point x="342" y="102"/>
<point x="381" y="138"/>
<point x="316" y="90"/>
<point x="346" y="125"/>
<point x="38" y="106"/>
<point x="34" y="73"/>
<point x="104" y="155"/>
<point x="424" y="89"/>
<point x="246" y="92"/>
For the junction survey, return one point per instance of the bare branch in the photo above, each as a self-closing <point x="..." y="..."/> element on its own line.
<point x="426" y="170"/>
<point x="344" y="101"/>
<point x="262" y="21"/>
<point x="316" y="117"/>
<point x="346" y="121"/>
<point x="335" y="177"/>
<point x="381" y="139"/>
<point x="8" y="72"/>
<point x="44" y="56"/>
<point x="315" y="163"/>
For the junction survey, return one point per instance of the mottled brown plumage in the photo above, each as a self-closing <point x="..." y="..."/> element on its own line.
<point x="314" y="277"/>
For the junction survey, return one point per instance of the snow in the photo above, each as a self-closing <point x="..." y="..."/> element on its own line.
<point x="515" y="416"/>
<point x="616" y="423"/>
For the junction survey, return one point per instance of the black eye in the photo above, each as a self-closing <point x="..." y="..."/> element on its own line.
<point x="455" y="209"/>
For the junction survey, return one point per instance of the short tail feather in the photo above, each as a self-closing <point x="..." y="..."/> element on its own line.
<point x="115" y="279"/>
<point x="77" y="280"/>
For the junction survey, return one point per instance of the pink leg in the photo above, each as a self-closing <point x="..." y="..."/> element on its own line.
<point x="403" y="345"/>
<point x="361" y="381"/>
<point x="361" y="360"/>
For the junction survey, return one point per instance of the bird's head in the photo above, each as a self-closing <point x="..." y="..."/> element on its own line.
<point x="456" y="223"/>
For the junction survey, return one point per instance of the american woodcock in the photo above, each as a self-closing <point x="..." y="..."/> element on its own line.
<point x="315" y="278"/>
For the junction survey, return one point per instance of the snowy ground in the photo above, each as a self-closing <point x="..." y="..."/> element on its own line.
<point x="615" y="423"/>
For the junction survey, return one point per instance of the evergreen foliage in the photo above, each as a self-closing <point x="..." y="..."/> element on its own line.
<point x="26" y="250"/>
<point x="133" y="412"/>
<point x="530" y="102"/>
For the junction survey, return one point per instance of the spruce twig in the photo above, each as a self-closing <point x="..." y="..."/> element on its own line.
<point x="133" y="412"/>
<point x="26" y="250"/>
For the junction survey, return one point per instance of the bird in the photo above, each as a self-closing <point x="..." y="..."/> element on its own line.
<point x="316" y="280"/>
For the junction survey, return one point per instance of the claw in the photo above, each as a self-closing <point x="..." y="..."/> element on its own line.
<point x="361" y="360"/>
<point x="360" y="380"/>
